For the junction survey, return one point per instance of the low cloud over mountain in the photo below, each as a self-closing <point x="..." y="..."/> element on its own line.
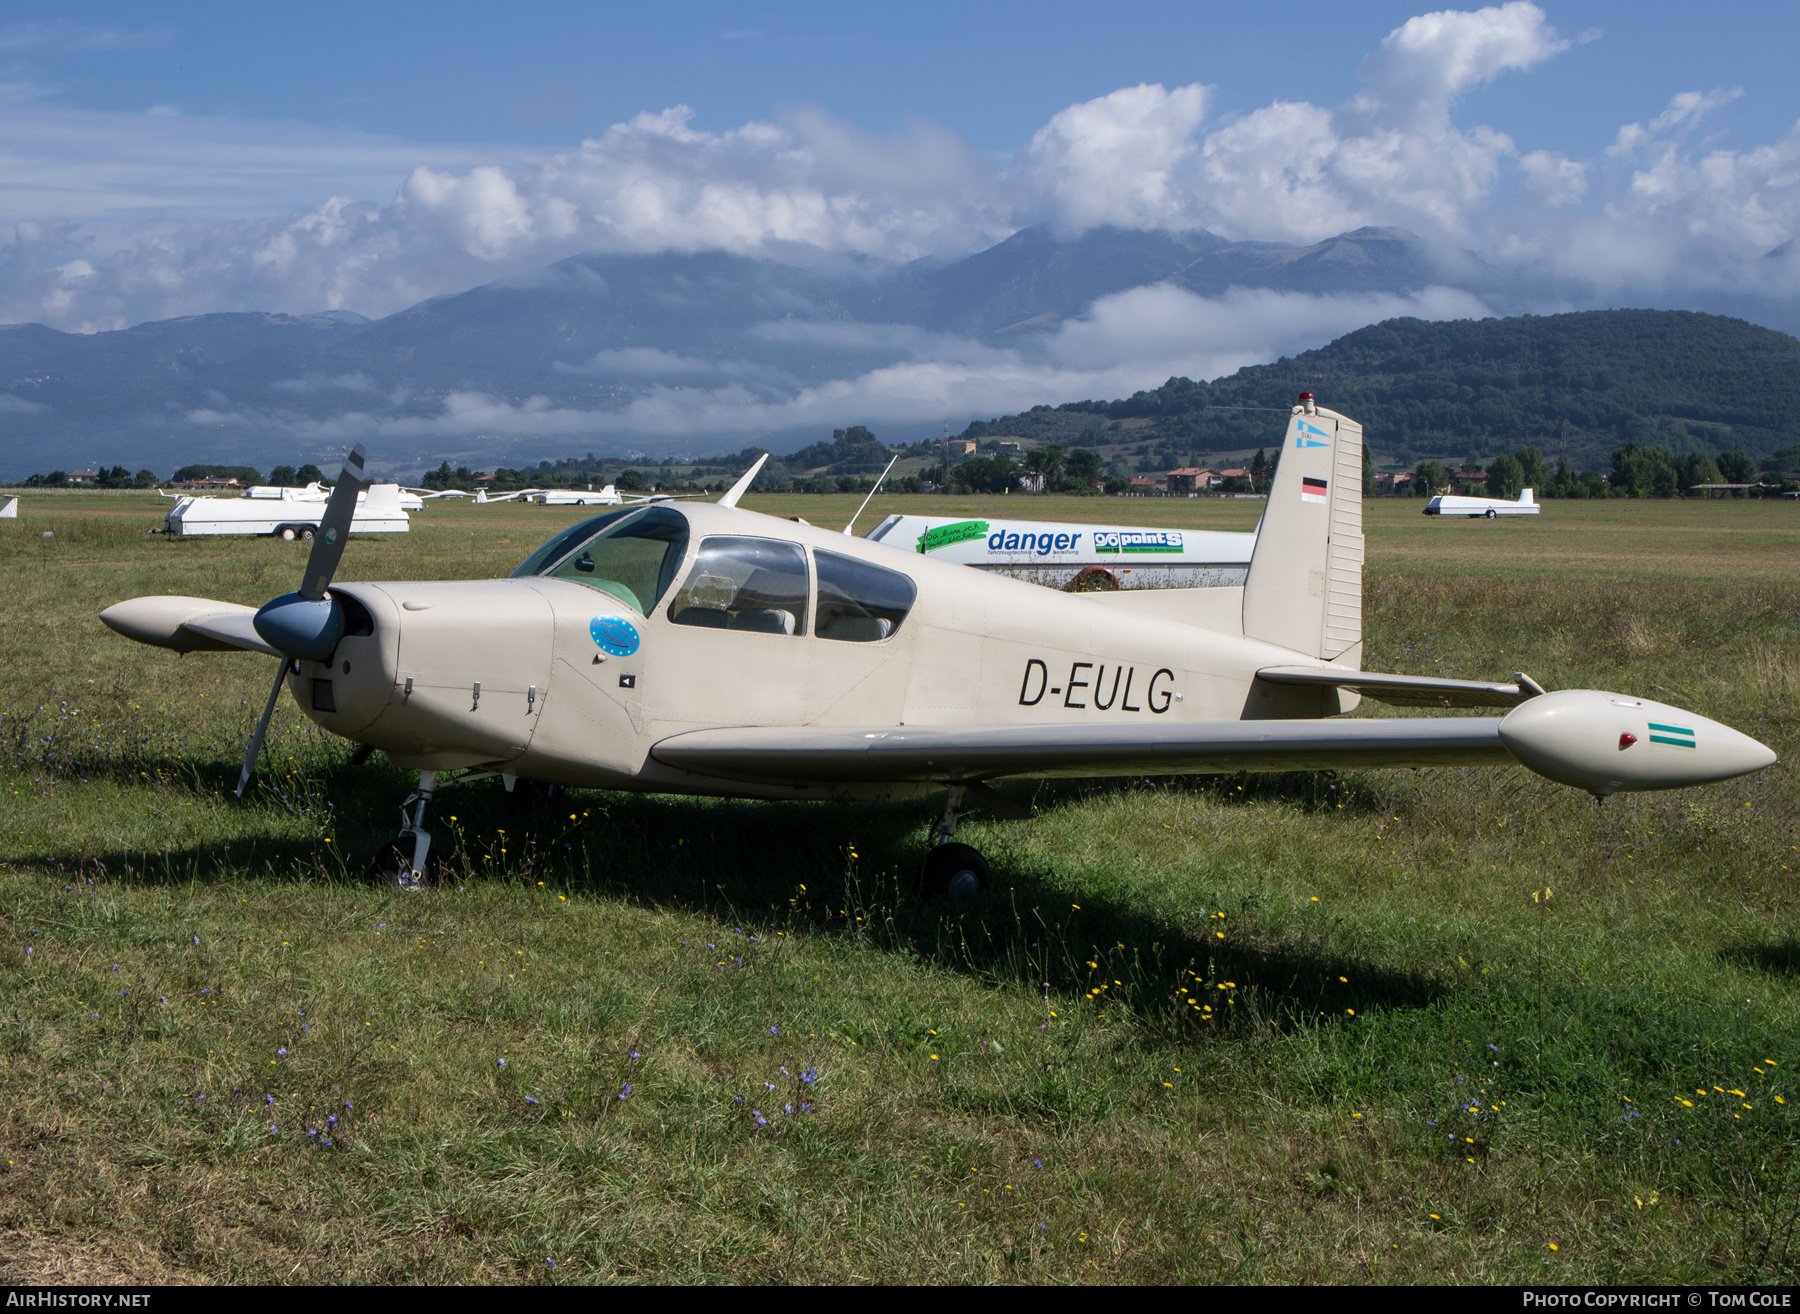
<point x="799" y="273"/>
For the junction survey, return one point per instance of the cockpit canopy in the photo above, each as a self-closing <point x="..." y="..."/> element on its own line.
<point x="737" y="581"/>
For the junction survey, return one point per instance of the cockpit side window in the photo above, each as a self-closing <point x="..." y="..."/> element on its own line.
<point x="754" y="584"/>
<point x="632" y="555"/>
<point x="858" y="602"/>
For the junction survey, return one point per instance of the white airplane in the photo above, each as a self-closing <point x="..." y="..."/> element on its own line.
<point x="408" y="498"/>
<point x="1445" y="504"/>
<point x="705" y="649"/>
<point x="608" y="496"/>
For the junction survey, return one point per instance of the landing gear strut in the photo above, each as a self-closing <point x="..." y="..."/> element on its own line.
<point x="403" y="860"/>
<point x="951" y="870"/>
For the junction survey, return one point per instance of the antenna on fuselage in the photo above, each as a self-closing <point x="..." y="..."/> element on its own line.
<point x="871" y="497"/>
<point x="738" y="489"/>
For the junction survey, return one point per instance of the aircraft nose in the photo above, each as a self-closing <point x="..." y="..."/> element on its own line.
<point x="1607" y="743"/>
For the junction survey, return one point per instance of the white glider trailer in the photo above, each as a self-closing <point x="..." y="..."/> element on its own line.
<point x="1055" y="555"/>
<point x="377" y="512"/>
<point x="1481" y="507"/>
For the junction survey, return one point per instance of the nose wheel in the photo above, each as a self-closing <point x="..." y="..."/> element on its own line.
<point x="951" y="871"/>
<point x="402" y="861"/>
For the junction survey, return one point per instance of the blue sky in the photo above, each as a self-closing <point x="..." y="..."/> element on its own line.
<point x="548" y="74"/>
<point x="169" y="160"/>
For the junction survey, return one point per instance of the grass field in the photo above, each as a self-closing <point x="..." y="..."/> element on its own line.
<point x="1459" y="1026"/>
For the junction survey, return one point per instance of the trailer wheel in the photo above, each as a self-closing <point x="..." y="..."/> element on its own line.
<point x="287" y="533"/>
<point x="1093" y="579"/>
<point x="306" y="533"/>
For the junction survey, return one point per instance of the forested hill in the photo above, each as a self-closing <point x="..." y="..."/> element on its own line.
<point x="1687" y="381"/>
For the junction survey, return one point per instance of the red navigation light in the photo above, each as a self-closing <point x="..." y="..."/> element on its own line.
<point x="1626" y="741"/>
<point x="1306" y="396"/>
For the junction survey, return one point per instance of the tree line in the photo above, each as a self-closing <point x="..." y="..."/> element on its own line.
<point x="1636" y="472"/>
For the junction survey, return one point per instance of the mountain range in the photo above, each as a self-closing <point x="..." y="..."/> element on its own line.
<point x="596" y="332"/>
<point x="1577" y="386"/>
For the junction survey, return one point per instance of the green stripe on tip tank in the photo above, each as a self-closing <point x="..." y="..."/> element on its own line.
<point x="1678" y="743"/>
<point x="1672" y="729"/>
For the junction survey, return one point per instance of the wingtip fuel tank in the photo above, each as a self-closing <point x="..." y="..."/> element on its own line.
<point x="1607" y="743"/>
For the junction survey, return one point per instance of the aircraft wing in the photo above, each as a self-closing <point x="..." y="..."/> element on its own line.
<point x="844" y="754"/>
<point x="1409" y="690"/>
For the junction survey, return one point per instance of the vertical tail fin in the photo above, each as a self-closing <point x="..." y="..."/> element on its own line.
<point x="1304" y="590"/>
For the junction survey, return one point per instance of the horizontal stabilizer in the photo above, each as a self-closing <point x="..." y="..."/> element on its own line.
<point x="846" y="754"/>
<point x="1408" y="690"/>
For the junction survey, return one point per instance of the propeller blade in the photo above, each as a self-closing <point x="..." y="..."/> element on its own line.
<point x="262" y="728"/>
<point x="334" y="528"/>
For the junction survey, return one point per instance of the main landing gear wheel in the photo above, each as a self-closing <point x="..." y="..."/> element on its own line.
<point x="953" y="871"/>
<point x="1492" y="513"/>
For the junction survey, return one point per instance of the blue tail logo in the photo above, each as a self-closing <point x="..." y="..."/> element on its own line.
<point x="1304" y="441"/>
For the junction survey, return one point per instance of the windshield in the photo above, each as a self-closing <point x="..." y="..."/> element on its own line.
<point x="632" y="555"/>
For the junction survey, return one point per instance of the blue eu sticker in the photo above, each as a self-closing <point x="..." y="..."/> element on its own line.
<point x="614" y="635"/>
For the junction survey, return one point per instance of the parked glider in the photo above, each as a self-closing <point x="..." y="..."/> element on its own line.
<point x="608" y="496"/>
<point x="706" y="649"/>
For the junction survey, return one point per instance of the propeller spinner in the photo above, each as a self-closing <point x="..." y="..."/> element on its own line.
<point x="308" y="624"/>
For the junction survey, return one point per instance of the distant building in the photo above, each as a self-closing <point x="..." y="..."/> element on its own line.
<point x="84" y="476"/>
<point x="962" y="446"/>
<point x="1148" y="484"/>
<point x="1233" y="474"/>
<point x="1010" y="445"/>
<point x="215" y="482"/>
<point x="1190" y="479"/>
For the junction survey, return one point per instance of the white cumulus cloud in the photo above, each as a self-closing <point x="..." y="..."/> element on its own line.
<point x="110" y="219"/>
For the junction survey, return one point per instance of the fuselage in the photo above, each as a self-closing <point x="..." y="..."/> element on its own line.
<point x="554" y="677"/>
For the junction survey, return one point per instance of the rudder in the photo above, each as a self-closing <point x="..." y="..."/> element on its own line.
<point x="1304" y="589"/>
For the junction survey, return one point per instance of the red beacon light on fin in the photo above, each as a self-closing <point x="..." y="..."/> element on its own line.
<point x="1306" y="402"/>
<point x="1626" y="740"/>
